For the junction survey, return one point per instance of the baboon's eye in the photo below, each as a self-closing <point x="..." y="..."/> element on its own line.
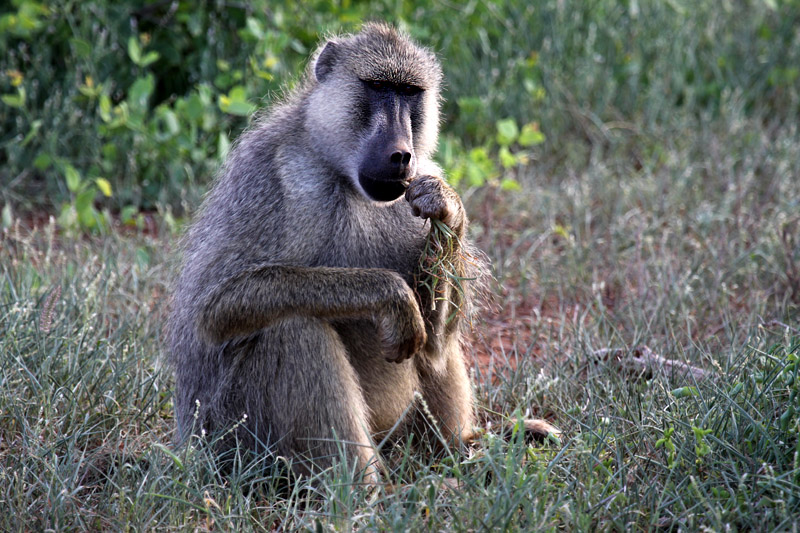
<point x="377" y="85"/>
<point x="408" y="90"/>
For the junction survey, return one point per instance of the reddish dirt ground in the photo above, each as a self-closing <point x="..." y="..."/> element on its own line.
<point x="504" y="333"/>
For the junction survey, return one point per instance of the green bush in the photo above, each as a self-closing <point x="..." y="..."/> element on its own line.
<point x="145" y="97"/>
<point x="149" y="96"/>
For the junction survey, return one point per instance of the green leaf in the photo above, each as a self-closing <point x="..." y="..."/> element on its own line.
<point x="736" y="389"/>
<point x="238" y="94"/>
<point x="223" y="145"/>
<point x="235" y="102"/>
<point x="171" y="121"/>
<point x="83" y="49"/>
<point x="258" y="71"/>
<point x="89" y="218"/>
<point x="170" y="221"/>
<point x="480" y="168"/>
<point x="7" y="216"/>
<point x="84" y="206"/>
<point x="701" y="447"/>
<point x="140" y="91"/>
<point x="700" y="432"/>
<point x="109" y="151"/>
<point x="255" y="27"/>
<point x="562" y="232"/>
<point x="12" y="100"/>
<point x="507" y="131"/>
<point x="105" y="108"/>
<point x="241" y="109"/>
<point x="68" y="218"/>
<point x="15" y="100"/>
<point x="104" y="186"/>
<point x="194" y="107"/>
<point x="456" y="174"/>
<point x="91" y="91"/>
<point x="479" y="156"/>
<point x="530" y="135"/>
<point x="35" y="126"/>
<point x="84" y="201"/>
<point x="134" y="50"/>
<point x="169" y="453"/>
<point x="42" y="161"/>
<point x="510" y="184"/>
<point x="128" y="215"/>
<point x="73" y="178"/>
<point x="149" y="59"/>
<point x="683" y="392"/>
<point x="786" y="417"/>
<point x="507" y="159"/>
<point x="476" y="175"/>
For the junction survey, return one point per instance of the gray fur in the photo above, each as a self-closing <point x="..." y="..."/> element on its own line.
<point x="295" y="303"/>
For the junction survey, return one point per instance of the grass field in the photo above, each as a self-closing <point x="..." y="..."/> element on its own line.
<point x="662" y="211"/>
<point x="691" y="252"/>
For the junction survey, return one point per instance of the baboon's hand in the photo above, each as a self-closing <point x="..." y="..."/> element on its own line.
<point x="431" y="197"/>
<point x="401" y="326"/>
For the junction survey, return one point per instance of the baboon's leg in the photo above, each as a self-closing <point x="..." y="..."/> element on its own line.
<point x="450" y="400"/>
<point x="302" y="396"/>
<point x="448" y="396"/>
<point x="388" y="388"/>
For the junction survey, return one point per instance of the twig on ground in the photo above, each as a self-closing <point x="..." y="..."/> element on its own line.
<point x="779" y="324"/>
<point x="641" y="360"/>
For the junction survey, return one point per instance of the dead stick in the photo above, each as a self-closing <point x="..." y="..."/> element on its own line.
<point x="642" y="360"/>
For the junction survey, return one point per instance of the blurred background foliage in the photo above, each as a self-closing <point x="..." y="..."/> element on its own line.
<point x="111" y="108"/>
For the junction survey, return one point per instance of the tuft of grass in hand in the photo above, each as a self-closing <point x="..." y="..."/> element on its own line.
<point x="441" y="265"/>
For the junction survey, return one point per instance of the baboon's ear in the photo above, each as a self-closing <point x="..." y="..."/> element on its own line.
<point x="326" y="60"/>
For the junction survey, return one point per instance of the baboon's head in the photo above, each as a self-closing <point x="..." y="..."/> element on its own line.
<point x="373" y="110"/>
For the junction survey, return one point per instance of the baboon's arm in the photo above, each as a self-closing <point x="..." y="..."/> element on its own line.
<point x="254" y="298"/>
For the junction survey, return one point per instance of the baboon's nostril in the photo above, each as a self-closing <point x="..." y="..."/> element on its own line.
<point x="400" y="158"/>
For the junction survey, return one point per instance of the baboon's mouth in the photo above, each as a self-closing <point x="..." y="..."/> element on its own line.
<point x="383" y="190"/>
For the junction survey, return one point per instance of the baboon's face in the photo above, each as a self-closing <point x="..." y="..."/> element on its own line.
<point x="374" y="110"/>
<point x="387" y="157"/>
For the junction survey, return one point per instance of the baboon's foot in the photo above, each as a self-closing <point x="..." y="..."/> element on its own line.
<point x="535" y="430"/>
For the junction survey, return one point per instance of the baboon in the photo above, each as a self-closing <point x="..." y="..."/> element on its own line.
<point x="296" y="304"/>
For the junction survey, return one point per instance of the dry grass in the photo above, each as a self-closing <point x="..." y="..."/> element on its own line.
<point x="691" y="254"/>
<point x="661" y="211"/>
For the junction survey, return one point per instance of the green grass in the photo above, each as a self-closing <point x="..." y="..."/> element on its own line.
<point x="689" y="252"/>
<point x="663" y="209"/>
